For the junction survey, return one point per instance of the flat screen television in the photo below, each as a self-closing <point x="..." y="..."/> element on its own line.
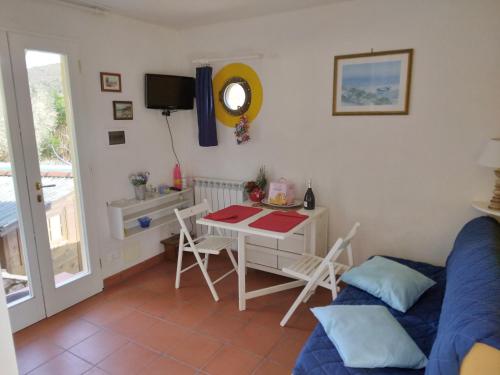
<point x="169" y="92"/>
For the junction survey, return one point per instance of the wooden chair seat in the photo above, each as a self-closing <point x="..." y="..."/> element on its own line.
<point x="211" y="245"/>
<point x="304" y="268"/>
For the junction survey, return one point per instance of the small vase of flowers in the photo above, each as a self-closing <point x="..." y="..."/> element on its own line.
<point x="139" y="180"/>
<point x="256" y="189"/>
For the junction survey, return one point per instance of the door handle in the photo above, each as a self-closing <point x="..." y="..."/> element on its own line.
<point x="39" y="186"/>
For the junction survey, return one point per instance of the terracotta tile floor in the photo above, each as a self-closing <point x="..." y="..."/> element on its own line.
<point x="146" y="326"/>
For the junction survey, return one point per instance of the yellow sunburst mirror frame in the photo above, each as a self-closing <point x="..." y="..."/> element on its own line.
<point x="248" y="79"/>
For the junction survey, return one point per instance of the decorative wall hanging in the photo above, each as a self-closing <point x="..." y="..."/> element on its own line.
<point x="237" y="92"/>
<point x="123" y="110"/>
<point x="111" y="82"/>
<point x="375" y="83"/>
<point x="241" y="130"/>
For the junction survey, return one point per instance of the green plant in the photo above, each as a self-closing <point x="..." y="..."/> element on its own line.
<point x="138" y="179"/>
<point x="56" y="142"/>
<point x="261" y="180"/>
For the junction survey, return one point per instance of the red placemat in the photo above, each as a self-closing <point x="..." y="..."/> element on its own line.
<point x="279" y="221"/>
<point x="233" y="214"/>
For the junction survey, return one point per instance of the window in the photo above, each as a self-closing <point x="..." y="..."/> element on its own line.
<point x="235" y="96"/>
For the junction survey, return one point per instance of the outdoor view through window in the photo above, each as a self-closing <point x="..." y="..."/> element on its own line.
<point x="47" y="78"/>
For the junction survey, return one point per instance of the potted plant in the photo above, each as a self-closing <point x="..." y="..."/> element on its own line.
<point x="139" y="180"/>
<point x="256" y="189"/>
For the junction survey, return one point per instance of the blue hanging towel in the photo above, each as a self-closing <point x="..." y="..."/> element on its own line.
<point x="207" y="131"/>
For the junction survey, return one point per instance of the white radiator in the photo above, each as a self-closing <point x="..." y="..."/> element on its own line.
<point x="219" y="194"/>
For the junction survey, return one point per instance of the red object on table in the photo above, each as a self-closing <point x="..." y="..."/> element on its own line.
<point x="257" y="195"/>
<point x="233" y="214"/>
<point x="279" y="221"/>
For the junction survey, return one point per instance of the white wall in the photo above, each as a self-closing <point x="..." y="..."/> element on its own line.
<point x="132" y="48"/>
<point x="409" y="180"/>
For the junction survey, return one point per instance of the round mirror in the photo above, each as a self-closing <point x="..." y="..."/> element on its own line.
<point x="235" y="96"/>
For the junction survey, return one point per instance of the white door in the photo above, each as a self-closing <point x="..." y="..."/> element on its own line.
<point x="18" y="255"/>
<point x="56" y="173"/>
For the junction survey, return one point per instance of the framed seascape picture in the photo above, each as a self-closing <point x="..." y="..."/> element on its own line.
<point x="376" y="83"/>
<point x="123" y="110"/>
<point x="111" y="82"/>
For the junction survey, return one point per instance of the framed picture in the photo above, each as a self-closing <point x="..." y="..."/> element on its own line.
<point x="376" y="83"/>
<point x="116" y="137"/>
<point x="111" y="82"/>
<point x="123" y="110"/>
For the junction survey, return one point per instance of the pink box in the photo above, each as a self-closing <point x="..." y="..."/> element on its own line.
<point x="281" y="192"/>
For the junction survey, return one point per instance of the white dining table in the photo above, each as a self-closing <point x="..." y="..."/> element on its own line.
<point x="243" y="230"/>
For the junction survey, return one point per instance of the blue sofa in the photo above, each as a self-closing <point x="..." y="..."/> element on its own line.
<point x="461" y="309"/>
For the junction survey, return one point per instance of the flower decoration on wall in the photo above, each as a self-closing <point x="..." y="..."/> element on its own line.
<point x="241" y="130"/>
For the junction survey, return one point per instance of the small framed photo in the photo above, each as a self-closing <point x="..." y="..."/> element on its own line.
<point x="116" y="137"/>
<point x="376" y="83"/>
<point x="123" y="110"/>
<point x="111" y="82"/>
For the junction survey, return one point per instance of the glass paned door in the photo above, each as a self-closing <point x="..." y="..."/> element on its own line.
<point x="18" y="257"/>
<point x="51" y="105"/>
<point x="16" y="282"/>
<point x="45" y="74"/>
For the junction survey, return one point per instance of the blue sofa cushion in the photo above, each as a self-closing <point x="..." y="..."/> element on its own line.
<point x="471" y="306"/>
<point x="394" y="283"/>
<point x="319" y="356"/>
<point x="368" y="336"/>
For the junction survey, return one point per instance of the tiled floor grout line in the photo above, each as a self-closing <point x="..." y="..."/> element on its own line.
<point x="97" y="364"/>
<point x="50" y="359"/>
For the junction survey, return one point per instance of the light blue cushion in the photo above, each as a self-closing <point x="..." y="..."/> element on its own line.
<point x="369" y="337"/>
<point x="397" y="285"/>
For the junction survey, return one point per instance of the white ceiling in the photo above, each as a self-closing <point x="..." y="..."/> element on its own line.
<point x="191" y="13"/>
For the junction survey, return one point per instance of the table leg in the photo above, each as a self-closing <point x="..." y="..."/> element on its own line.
<point x="312" y="237"/>
<point x="241" y="272"/>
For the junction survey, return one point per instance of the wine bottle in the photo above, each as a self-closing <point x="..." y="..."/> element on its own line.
<point x="309" y="200"/>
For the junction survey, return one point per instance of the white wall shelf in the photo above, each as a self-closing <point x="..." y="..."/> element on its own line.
<point x="123" y="214"/>
<point x="483" y="207"/>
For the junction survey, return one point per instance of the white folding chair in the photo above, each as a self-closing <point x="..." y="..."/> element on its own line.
<point x="317" y="271"/>
<point x="206" y="244"/>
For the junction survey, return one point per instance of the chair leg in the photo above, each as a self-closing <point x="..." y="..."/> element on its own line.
<point x="206" y="261"/>
<point x="310" y="294"/>
<point x="179" y="268"/>
<point x="233" y="261"/>
<point x="333" y="280"/>
<point x="296" y="303"/>
<point x="205" y="275"/>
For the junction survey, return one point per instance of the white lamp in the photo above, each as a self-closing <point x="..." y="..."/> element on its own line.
<point x="491" y="158"/>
